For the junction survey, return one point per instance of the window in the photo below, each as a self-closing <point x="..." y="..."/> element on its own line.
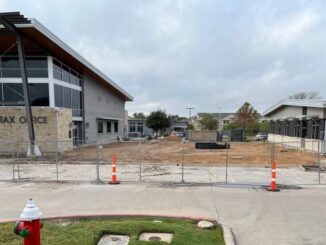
<point x="108" y="127"/>
<point x="116" y="127"/>
<point x="100" y="127"/>
<point x="10" y="67"/>
<point x="38" y="92"/>
<point x="304" y="110"/>
<point x="57" y="70"/>
<point x="76" y="103"/>
<point x="64" y="73"/>
<point x="73" y="78"/>
<point x="58" y="95"/>
<point x="35" y="66"/>
<point x="132" y="127"/>
<point x="66" y="97"/>
<point x="140" y="127"/>
<point x="226" y="122"/>
<point x="13" y="92"/>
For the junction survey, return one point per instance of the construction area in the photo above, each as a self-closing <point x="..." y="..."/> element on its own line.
<point x="168" y="160"/>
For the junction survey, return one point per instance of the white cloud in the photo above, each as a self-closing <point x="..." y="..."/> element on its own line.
<point x="172" y="54"/>
<point x="287" y="30"/>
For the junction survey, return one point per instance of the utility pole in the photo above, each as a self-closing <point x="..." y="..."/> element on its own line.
<point x="190" y="108"/>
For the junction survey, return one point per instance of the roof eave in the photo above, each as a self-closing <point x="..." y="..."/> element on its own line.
<point x="46" y="32"/>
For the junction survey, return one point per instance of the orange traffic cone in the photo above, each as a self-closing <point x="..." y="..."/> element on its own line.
<point x="273" y="186"/>
<point x="114" y="171"/>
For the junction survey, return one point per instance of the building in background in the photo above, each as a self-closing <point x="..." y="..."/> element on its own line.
<point x="138" y="128"/>
<point x="58" y="77"/>
<point x="297" y="121"/>
<point x="223" y="119"/>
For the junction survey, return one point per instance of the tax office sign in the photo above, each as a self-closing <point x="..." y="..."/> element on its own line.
<point x="22" y="119"/>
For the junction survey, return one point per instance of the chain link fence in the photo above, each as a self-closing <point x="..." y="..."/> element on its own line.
<point x="175" y="161"/>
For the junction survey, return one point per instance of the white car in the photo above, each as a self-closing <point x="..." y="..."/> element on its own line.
<point x="262" y="136"/>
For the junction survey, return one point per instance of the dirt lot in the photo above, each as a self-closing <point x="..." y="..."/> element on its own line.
<point x="171" y="152"/>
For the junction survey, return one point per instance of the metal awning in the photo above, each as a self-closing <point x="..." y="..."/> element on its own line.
<point x="109" y="118"/>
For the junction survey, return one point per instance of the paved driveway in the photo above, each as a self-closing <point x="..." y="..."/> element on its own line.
<point x="256" y="216"/>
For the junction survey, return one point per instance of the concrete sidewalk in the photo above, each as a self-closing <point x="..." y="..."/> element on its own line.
<point x="255" y="215"/>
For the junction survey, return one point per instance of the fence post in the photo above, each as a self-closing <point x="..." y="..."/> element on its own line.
<point x="140" y="156"/>
<point x="13" y="160"/>
<point x="183" y="159"/>
<point x="272" y="152"/>
<point x="318" y="161"/>
<point x="226" y="162"/>
<point x="56" y="161"/>
<point x="98" y="180"/>
<point x="16" y="161"/>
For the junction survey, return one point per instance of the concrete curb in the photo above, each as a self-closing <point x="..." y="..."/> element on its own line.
<point x="228" y="235"/>
<point x="117" y="215"/>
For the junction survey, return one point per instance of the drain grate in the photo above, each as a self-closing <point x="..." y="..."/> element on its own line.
<point x="156" y="237"/>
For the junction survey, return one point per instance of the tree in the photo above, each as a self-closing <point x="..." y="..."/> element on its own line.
<point x="139" y="115"/>
<point x="246" y="116"/>
<point x="305" y="95"/>
<point x="158" y="120"/>
<point x="173" y="118"/>
<point x="231" y="126"/>
<point x="190" y="126"/>
<point x="209" y="122"/>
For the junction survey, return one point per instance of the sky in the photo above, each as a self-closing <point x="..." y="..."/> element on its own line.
<point x="211" y="55"/>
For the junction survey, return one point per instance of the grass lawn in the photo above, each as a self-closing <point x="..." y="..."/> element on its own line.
<point x="89" y="231"/>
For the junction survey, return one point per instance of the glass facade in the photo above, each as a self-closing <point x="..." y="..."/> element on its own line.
<point x="36" y="66"/>
<point x="66" y="74"/>
<point x="68" y="98"/>
<point x="13" y="92"/>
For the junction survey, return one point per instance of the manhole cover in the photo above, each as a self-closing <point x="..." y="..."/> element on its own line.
<point x="114" y="240"/>
<point x="155" y="237"/>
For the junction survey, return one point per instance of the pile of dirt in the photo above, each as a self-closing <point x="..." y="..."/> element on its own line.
<point x="171" y="138"/>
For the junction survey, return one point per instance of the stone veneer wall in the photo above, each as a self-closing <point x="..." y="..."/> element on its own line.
<point x="50" y="125"/>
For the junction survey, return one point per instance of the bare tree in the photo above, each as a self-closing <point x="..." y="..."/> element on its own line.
<point x="246" y="116"/>
<point x="305" y="95"/>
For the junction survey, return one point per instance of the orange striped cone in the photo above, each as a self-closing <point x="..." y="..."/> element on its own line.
<point x="273" y="186"/>
<point x="114" y="171"/>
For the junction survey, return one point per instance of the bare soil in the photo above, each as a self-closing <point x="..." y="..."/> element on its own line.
<point x="171" y="152"/>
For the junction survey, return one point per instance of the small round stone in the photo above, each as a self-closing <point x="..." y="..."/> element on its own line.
<point x="205" y="224"/>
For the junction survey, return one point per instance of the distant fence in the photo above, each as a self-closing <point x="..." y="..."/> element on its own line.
<point x="166" y="161"/>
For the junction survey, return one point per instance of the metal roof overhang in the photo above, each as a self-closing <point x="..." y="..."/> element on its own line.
<point x="44" y="38"/>
<point x="109" y="118"/>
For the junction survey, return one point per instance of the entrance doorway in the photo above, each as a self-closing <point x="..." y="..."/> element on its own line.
<point x="77" y="133"/>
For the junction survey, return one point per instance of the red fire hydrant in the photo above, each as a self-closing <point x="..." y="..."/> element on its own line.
<point x="29" y="226"/>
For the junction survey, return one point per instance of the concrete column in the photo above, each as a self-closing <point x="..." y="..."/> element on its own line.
<point x="51" y="82"/>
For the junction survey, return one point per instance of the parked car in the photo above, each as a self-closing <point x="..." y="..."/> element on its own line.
<point x="262" y="136"/>
<point x="180" y="134"/>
